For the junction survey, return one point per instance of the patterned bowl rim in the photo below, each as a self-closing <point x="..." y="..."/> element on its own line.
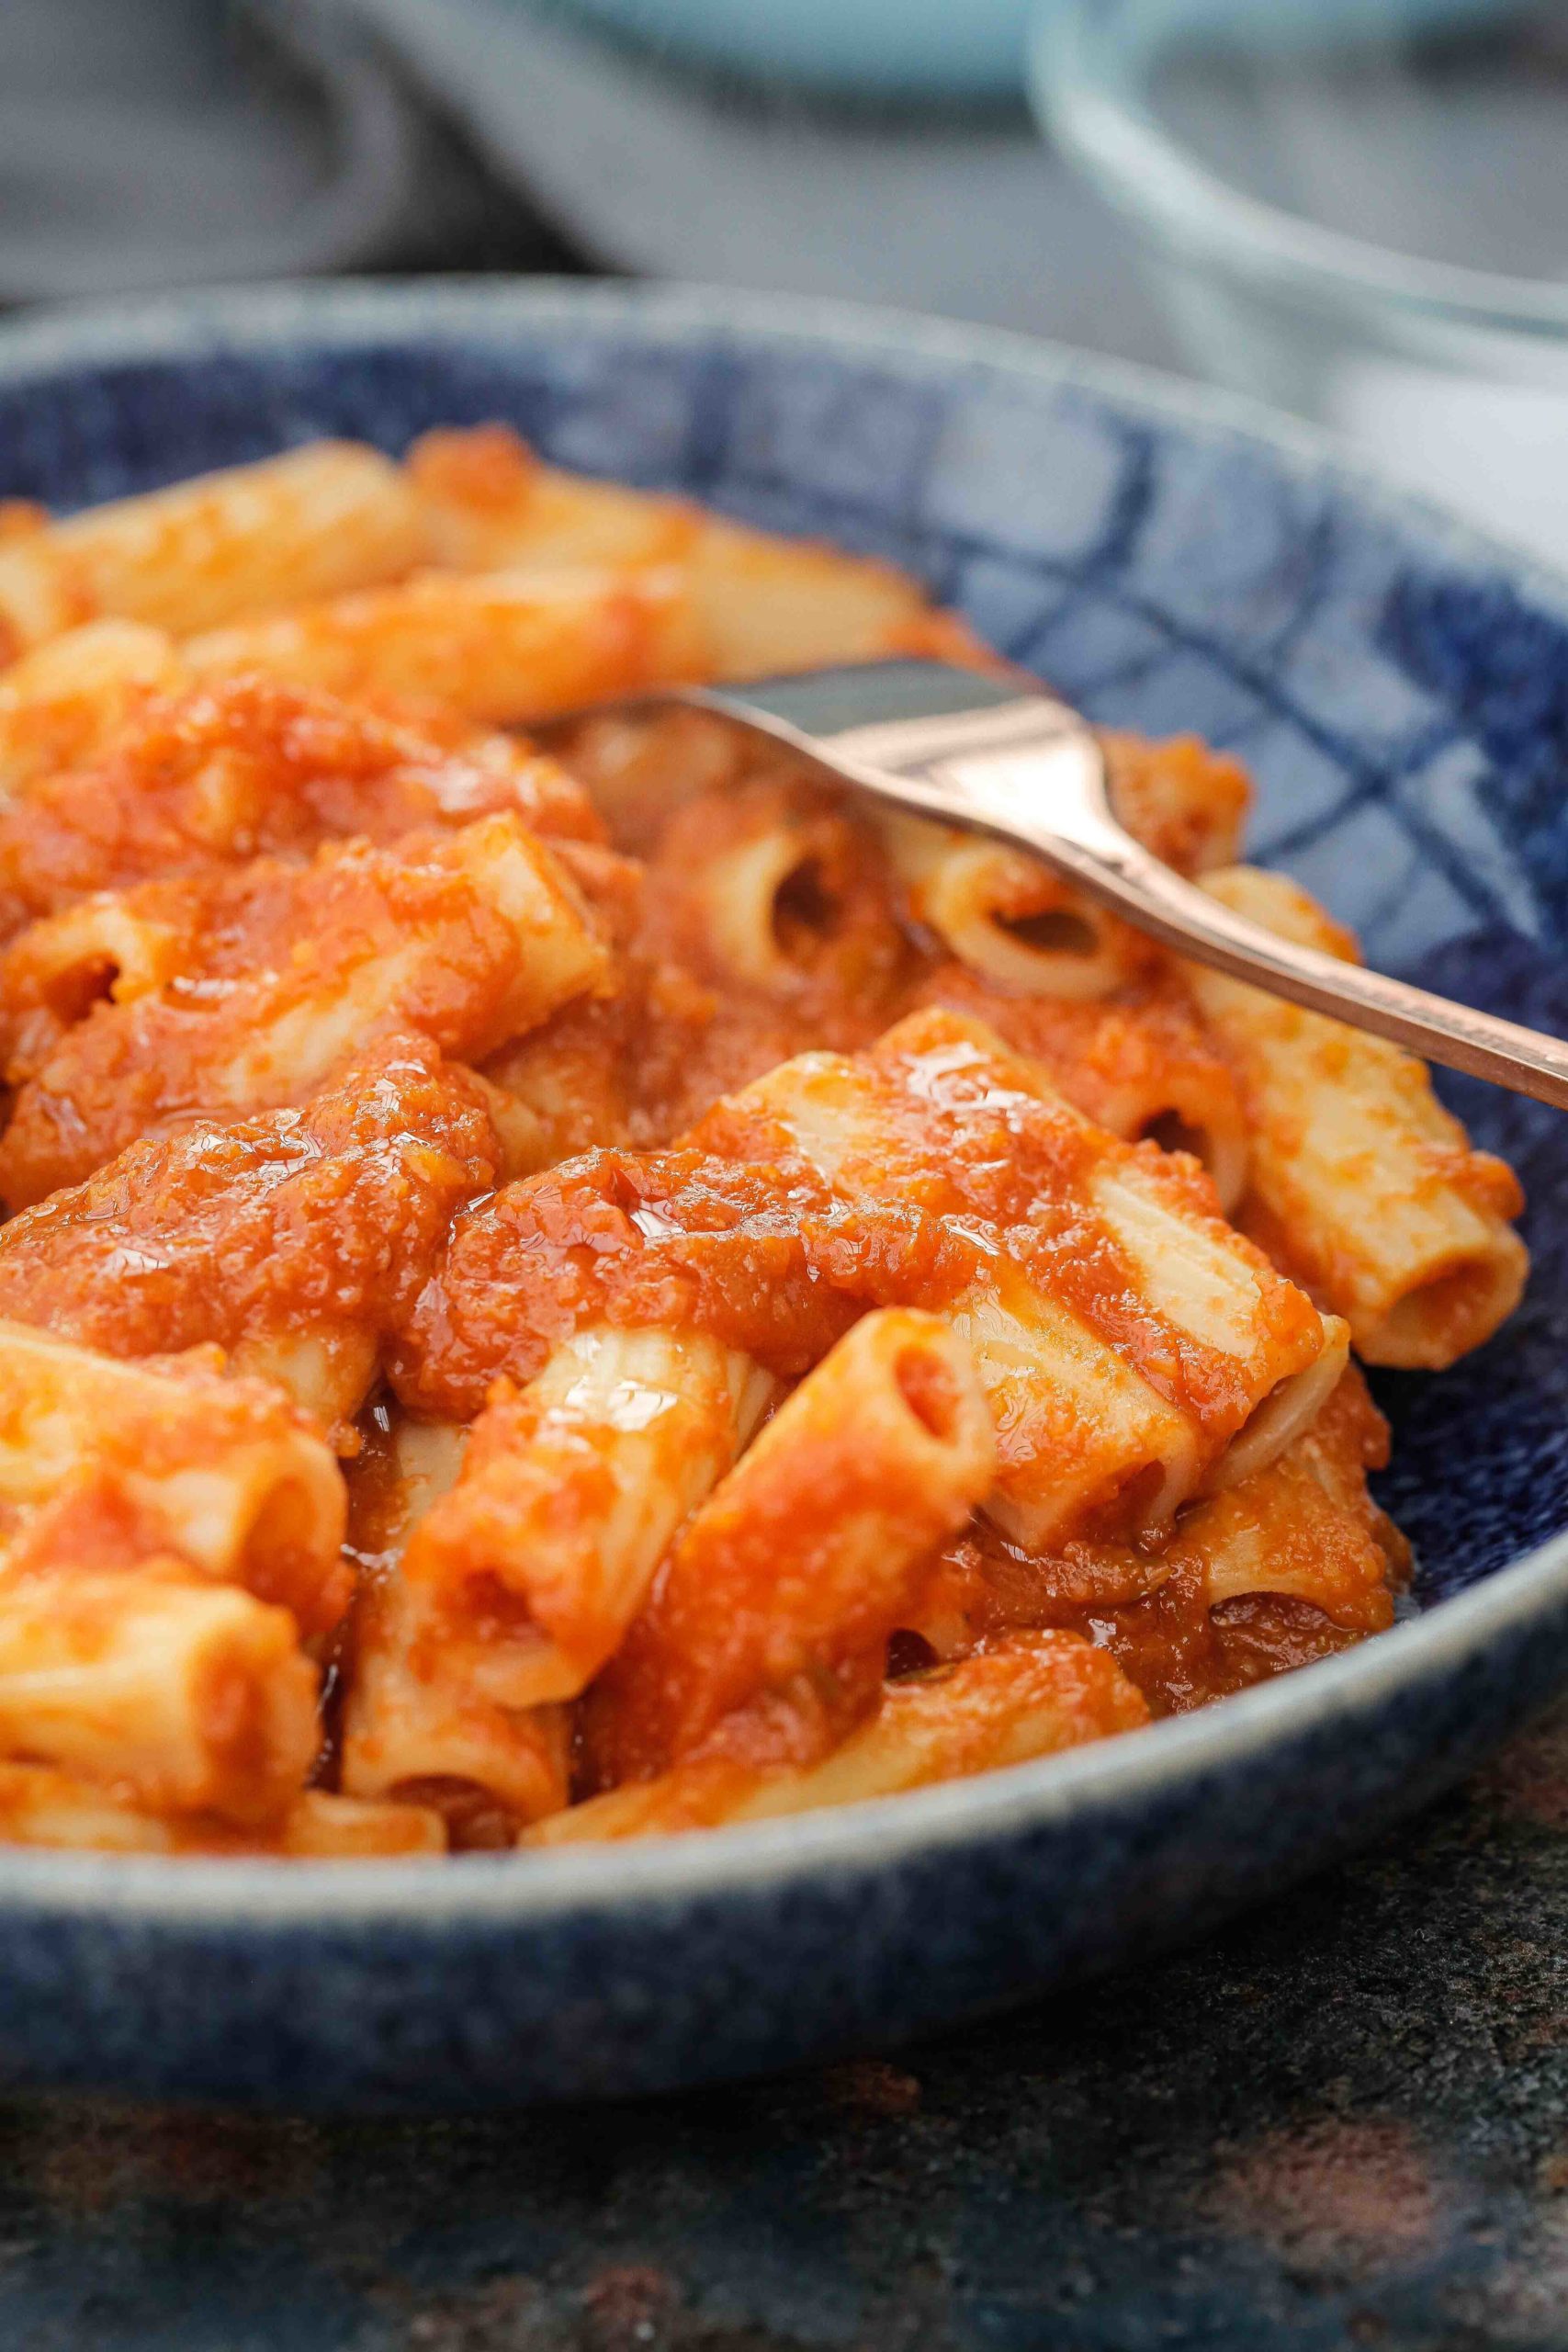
<point x="1345" y="1695"/>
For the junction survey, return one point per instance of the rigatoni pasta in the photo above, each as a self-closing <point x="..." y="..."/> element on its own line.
<point x="572" y="1490"/>
<point x="297" y="1241"/>
<point x="788" y="1581"/>
<point x="329" y="517"/>
<point x="1108" y="1416"/>
<point x="414" y="1729"/>
<point x="498" y="646"/>
<point x="249" y="989"/>
<point x="552" y="1296"/>
<point x="221" y="1471"/>
<point x="1360" y="1177"/>
<point x="756" y="603"/>
<point x="191" y="1693"/>
<point x="1029" y="1695"/>
<point x="70" y="697"/>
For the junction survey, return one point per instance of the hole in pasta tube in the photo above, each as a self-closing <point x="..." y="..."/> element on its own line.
<point x="804" y="907"/>
<point x="1217" y="1147"/>
<point x="1053" y="949"/>
<point x="1451" y="1311"/>
<point x="1055" y="931"/>
<point x="1173" y="1132"/>
<point x="70" y="992"/>
<point x="928" y="1387"/>
<point x="1148" y="1498"/>
<point x="476" y="1821"/>
<point x="1289" y="1408"/>
<point x="909" y="1653"/>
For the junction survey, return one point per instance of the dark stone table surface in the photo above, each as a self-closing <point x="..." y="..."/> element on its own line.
<point x="1342" y="2121"/>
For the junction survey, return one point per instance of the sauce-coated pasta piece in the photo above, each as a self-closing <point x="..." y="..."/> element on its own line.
<point x="70" y="698"/>
<point x="1361" y="1182"/>
<point x="571" y="1492"/>
<point x="784" y="1587"/>
<point x="414" y="1727"/>
<point x="191" y="1694"/>
<point x="1304" y="1526"/>
<point x="246" y="767"/>
<point x="769" y="888"/>
<point x="280" y="973"/>
<point x="1007" y="917"/>
<point x="1018" y="925"/>
<point x="221" y="1471"/>
<point x="503" y="647"/>
<point x="758" y="603"/>
<point x="1140" y="1062"/>
<point x="1032" y="1694"/>
<point x="296" y="1240"/>
<point x="332" y="515"/>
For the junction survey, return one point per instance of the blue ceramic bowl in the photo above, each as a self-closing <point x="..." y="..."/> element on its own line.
<point x="1172" y="560"/>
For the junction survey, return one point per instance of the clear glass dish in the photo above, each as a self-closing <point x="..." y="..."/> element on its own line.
<point x="1354" y="208"/>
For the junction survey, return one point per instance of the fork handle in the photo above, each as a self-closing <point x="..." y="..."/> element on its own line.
<point x="1121" y="875"/>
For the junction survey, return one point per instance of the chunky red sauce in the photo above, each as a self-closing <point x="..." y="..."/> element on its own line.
<point x="264" y="835"/>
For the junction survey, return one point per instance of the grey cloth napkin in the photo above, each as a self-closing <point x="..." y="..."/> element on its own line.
<point x="676" y="174"/>
<point x="159" y="142"/>
<point x="150" y="143"/>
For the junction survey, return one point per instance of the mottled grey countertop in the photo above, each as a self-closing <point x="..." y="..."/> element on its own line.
<point x="1343" y="2121"/>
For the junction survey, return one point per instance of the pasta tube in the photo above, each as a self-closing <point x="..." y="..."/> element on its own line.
<point x="1006" y="916"/>
<point x="568" y="1086"/>
<point x="1304" y="1527"/>
<point x="760" y="603"/>
<point x="221" y="1471"/>
<point x="469" y="937"/>
<point x="193" y="1695"/>
<point x="332" y="515"/>
<point x="1142" y="1064"/>
<point x="1186" y="803"/>
<point x="1032" y="1694"/>
<point x="1132" y="1348"/>
<point x="41" y="1807"/>
<point x="414" y="1725"/>
<point x="792" y="1575"/>
<point x="61" y="703"/>
<point x="502" y="647"/>
<point x="237" y="768"/>
<point x="572" y="1491"/>
<point x="294" y="1240"/>
<point x="1361" y="1182"/>
<point x="767" y="886"/>
<point x="118" y="948"/>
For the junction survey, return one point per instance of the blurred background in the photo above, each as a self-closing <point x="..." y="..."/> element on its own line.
<point x="1358" y="208"/>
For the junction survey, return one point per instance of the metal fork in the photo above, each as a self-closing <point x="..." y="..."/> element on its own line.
<point x="973" y="752"/>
